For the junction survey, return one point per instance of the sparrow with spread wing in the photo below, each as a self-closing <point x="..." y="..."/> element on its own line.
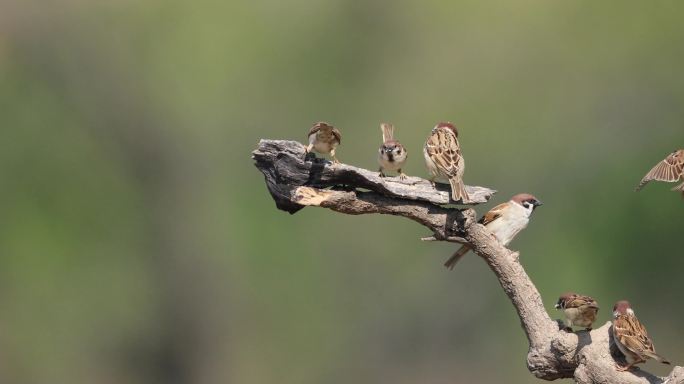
<point x="631" y="337"/>
<point x="504" y="221"/>
<point x="324" y="139"/>
<point x="670" y="170"/>
<point x="391" y="155"/>
<point x="579" y="310"/>
<point x="443" y="159"/>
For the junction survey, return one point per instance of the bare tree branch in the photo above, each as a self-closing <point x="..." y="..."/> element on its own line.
<point x="295" y="182"/>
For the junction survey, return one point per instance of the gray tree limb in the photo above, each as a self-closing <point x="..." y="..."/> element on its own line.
<point x="296" y="182"/>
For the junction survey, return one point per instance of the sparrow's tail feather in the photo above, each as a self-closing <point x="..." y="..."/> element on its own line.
<point x="657" y="357"/>
<point x="642" y="183"/>
<point x="456" y="257"/>
<point x="458" y="191"/>
<point x="387" y="131"/>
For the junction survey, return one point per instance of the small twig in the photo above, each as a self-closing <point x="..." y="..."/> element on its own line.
<point x="451" y="239"/>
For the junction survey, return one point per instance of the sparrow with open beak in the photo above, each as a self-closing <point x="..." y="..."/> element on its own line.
<point x="324" y="139"/>
<point x="391" y="155"/>
<point x="579" y="310"/>
<point x="504" y="221"/>
<point x="443" y="159"/>
<point x="631" y="338"/>
<point x="670" y="170"/>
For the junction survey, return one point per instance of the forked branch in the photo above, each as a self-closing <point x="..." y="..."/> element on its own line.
<point x="296" y="181"/>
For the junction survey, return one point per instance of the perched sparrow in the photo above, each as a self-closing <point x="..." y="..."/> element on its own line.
<point x="324" y="138"/>
<point x="631" y="338"/>
<point x="444" y="160"/>
<point x="504" y="222"/>
<point x="579" y="310"/>
<point x="671" y="169"/>
<point x="391" y="155"/>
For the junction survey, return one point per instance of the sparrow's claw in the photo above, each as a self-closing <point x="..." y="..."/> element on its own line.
<point x="381" y="173"/>
<point x="402" y="175"/>
<point x="334" y="158"/>
<point x="628" y="367"/>
<point x="515" y="255"/>
<point x="307" y="151"/>
<point x="568" y="329"/>
<point x="561" y="325"/>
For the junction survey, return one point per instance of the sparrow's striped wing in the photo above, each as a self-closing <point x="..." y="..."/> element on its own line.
<point x="669" y="170"/>
<point x="632" y="334"/>
<point x="493" y="214"/>
<point x="581" y="301"/>
<point x="443" y="148"/>
<point x="337" y="134"/>
<point x="315" y="128"/>
<point x="324" y="127"/>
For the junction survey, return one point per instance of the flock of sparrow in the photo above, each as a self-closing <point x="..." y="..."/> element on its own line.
<point x="444" y="161"/>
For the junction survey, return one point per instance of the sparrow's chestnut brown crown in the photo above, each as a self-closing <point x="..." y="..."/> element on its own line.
<point x="622" y="307"/>
<point x="525" y="199"/>
<point x="322" y="125"/>
<point x="448" y="125"/>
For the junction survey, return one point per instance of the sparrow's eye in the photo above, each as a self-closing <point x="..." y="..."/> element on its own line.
<point x="398" y="150"/>
<point x="382" y="150"/>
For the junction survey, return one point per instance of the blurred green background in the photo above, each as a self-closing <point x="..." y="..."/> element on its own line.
<point x="138" y="243"/>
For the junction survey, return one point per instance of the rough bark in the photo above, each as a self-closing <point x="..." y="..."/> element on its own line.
<point x="296" y="181"/>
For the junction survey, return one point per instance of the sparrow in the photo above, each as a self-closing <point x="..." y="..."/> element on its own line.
<point x="504" y="222"/>
<point x="579" y="310"/>
<point x="324" y="138"/>
<point x="631" y="338"/>
<point x="670" y="170"/>
<point x="391" y="155"/>
<point x="444" y="160"/>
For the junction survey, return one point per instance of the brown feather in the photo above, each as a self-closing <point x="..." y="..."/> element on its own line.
<point x="325" y="128"/>
<point x="578" y="301"/>
<point x="444" y="149"/>
<point x="456" y="257"/>
<point x="631" y="333"/>
<point x="337" y="134"/>
<point x="669" y="170"/>
<point x="315" y="128"/>
<point x="488" y="217"/>
<point x="387" y="132"/>
<point x="493" y="214"/>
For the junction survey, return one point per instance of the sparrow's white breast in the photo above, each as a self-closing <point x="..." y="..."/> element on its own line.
<point x="579" y="318"/>
<point x="391" y="165"/>
<point x="397" y="162"/>
<point x="323" y="142"/>
<point x="513" y="220"/>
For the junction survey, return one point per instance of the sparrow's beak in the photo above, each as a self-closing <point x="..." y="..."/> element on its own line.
<point x="557" y="306"/>
<point x="537" y="203"/>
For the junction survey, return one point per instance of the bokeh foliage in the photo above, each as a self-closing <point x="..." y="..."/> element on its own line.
<point x="138" y="243"/>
